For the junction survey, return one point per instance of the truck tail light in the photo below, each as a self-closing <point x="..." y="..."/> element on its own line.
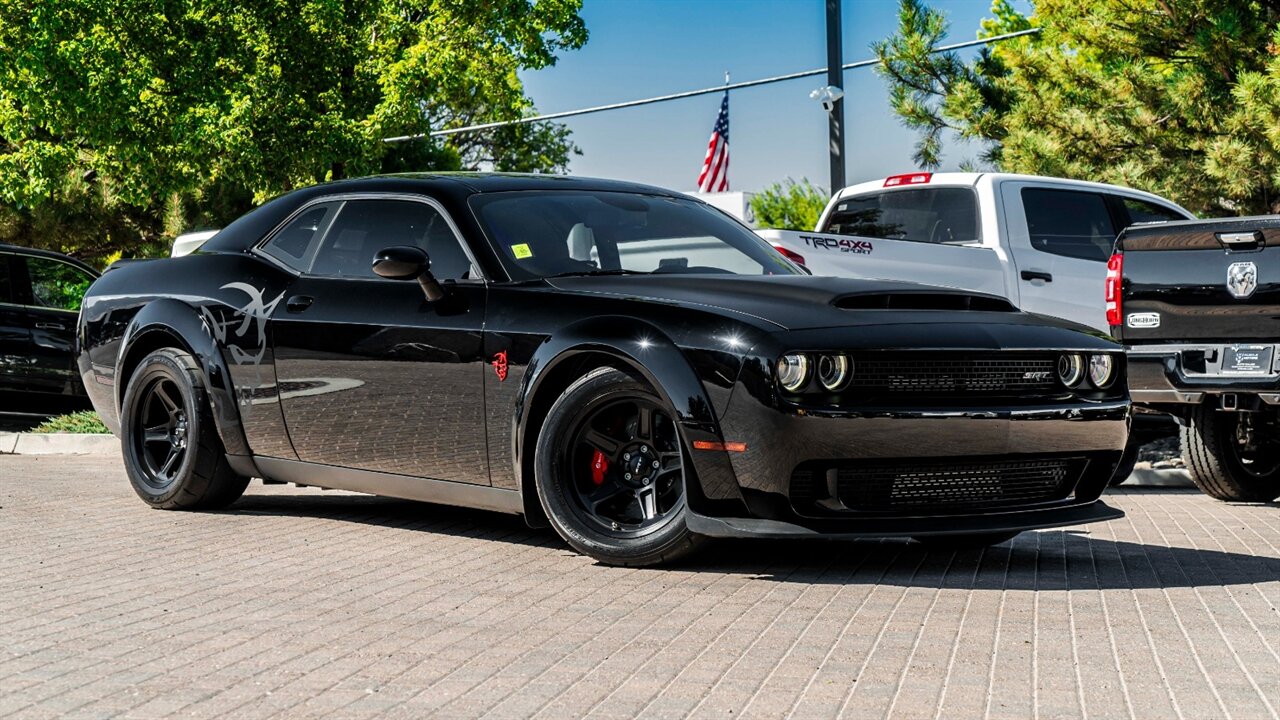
<point x="791" y="255"/>
<point x="910" y="179"/>
<point x="1115" y="273"/>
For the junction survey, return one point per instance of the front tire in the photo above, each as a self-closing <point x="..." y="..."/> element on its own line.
<point x="610" y="472"/>
<point x="1233" y="456"/>
<point x="172" y="452"/>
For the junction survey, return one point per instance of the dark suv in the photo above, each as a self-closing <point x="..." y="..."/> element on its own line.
<point x="40" y="295"/>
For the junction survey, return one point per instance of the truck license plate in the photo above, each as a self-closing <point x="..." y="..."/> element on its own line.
<point x="1247" y="359"/>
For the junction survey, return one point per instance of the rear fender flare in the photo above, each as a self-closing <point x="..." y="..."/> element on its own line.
<point x="187" y="328"/>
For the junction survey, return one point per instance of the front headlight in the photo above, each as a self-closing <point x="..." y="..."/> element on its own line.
<point x="834" y="371"/>
<point x="793" y="372"/>
<point x="1101" y="370"/>
<point x="1071" y="369"/>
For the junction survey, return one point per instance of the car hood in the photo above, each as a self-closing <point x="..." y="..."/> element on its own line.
<point x="802" y="302"/>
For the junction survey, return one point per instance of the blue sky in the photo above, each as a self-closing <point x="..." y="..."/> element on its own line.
<point x="642" y="48"/>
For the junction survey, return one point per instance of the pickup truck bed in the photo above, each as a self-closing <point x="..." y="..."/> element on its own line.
<point x="1197" y="303"/>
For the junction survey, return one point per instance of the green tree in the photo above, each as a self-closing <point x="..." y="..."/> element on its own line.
<point x="1178" y="97"/>
<point x="789" y="205"/>
<point x="124" y="122"/>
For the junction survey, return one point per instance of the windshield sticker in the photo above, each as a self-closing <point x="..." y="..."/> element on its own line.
<point x="521" y="251"/>
<point x="846" y="245"/>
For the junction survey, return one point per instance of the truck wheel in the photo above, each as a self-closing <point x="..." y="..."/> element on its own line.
<point x="610" y="472"/>
<point x="172" y="452"/>
<point x="1232" y="456"/>
<point x="1127" y="461"/>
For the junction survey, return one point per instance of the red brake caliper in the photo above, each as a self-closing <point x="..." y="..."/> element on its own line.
<point x="599" y="466"/>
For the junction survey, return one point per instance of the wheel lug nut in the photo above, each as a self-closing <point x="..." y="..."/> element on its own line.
<point x="644" y="450"/>
<point x="627" y="476"/>
<point x="626" y="456"/>
<point x="646" y="481"/>
<point x="655" y="463"/>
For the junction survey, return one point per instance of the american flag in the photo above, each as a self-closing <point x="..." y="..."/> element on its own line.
<point x="715" y="166"/>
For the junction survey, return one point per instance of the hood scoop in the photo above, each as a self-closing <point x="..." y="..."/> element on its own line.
<point x="923" y="301"/>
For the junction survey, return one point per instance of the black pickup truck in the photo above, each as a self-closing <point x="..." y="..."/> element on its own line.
<point x="1197" y="303"/>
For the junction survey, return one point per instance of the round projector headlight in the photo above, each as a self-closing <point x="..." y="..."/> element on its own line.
<point x="834" y="371"/>
<point x="793" y="372"/>
<point x="1071" y="369"/>
<point x="1101" y="370"/>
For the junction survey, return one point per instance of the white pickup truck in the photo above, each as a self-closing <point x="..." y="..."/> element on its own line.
<point x="1041" y="242"/>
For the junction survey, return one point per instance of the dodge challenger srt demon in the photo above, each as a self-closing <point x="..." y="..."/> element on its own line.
<point x="626" y="364"/>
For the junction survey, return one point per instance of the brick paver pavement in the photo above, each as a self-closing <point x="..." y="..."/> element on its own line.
<point x="299" y="603"/>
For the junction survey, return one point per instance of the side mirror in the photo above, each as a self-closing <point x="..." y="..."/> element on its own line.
<point x="404" y="262"/>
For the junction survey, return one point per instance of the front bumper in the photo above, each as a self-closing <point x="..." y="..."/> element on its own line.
<point x="1162" y="375"/>
<point x="1005" y="521"/>
<point x="857" y="450"/>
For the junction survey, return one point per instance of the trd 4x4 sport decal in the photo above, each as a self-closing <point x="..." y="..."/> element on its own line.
<point x="846" y="245"/>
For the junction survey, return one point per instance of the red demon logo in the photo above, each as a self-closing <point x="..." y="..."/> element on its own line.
<point x="499" y="363"/>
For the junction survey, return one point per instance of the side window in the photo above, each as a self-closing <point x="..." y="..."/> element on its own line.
<point x="56" y="284"/>
<point x="295" y="244"/>
<point x="1141" y="211"/>
<point x="1069" y="222"/>
<point x="364" y="227"/>
<point x="6" y="285"/>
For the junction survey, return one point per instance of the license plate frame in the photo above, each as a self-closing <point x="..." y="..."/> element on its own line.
<point x="1248" y="360"/>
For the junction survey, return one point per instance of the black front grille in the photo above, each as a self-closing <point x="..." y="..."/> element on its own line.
<point x="991" y="374"/>
<point x="932" y="486"/>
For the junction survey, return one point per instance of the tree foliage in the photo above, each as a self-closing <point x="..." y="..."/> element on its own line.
<point x="1179" y="97"/>
<point x="789" y="205"/>
<point x="123" y="122"/>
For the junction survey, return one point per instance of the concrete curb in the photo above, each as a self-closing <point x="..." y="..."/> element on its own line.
<point x="1164" y="477"/>
<point x="58" y="444"/>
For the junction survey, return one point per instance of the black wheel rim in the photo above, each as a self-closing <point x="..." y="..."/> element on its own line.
<point x="625" y="467"/>
<point x="1254" y="451"/>
<point x="160" y="432"/>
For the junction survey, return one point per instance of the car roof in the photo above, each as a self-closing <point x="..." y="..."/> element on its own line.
<point x="486" y="182"/>
<point x="36" y="252"/>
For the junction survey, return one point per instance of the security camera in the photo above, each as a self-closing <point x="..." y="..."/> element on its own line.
<point x="828" y="96"/>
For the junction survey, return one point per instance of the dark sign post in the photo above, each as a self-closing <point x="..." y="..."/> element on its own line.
<point x="835" y="78"/>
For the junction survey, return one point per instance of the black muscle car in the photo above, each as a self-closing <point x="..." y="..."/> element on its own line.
<point x="627" y="364"/>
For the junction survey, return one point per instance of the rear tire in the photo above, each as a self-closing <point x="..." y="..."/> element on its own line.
<point x="172" y="452"/>
<point x="968" y="541"/>
<point x="610" y="472"/>
<point x="1232" y="456"/>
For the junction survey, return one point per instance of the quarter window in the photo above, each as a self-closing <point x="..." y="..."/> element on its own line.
<point x="56" y="284"/>
<point x="1141" y="211"/>
<point x="931" y="215"/>
<point x="1069" y="223"/>
<point x="295" y="243"/>
<point x="365" y="227"/>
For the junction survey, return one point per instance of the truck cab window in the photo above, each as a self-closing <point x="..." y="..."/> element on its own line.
<point x="930" y="215"/>
<point x="1141" y="211"/>
<point x="1069" y="222"/>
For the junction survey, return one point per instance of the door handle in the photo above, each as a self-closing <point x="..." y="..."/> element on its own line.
<point x="298" y="303"/>
<point x="50" y="326"/>
<point x="1036" y="275"/>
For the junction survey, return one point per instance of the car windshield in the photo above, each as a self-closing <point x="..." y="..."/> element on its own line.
<point x="548" y="234"/>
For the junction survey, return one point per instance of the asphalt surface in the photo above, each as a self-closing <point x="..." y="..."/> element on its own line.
<point x="303" y="603"/>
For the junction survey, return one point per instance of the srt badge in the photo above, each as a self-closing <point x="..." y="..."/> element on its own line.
<point x="499" y="363"/>
<point x="1242" y="279"/>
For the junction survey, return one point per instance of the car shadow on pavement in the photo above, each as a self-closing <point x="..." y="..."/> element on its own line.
<point x="1070" y="559"/>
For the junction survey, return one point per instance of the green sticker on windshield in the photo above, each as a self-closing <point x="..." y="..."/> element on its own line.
<point x="521" y="251"/>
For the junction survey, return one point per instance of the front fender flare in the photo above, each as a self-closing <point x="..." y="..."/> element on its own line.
<point x="642" y="348"/>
